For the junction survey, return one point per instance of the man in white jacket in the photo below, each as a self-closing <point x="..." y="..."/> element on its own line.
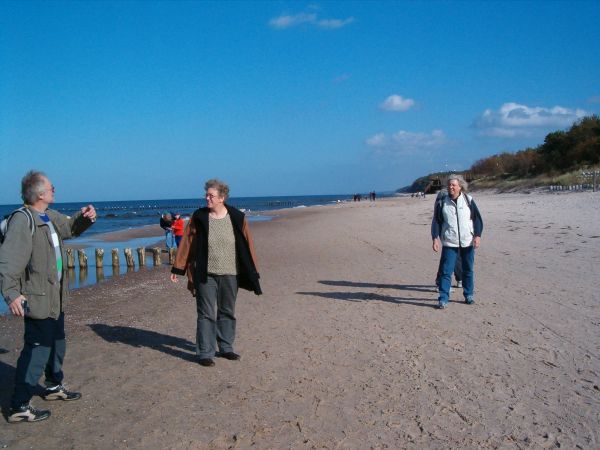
<point x="456" y="227"/>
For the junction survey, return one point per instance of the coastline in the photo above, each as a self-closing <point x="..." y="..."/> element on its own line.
<point x="345" y="348"/>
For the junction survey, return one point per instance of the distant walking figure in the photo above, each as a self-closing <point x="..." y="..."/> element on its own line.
<point x="217" y="255"/>
<point x="456" y="227"/>
<point x="177" y="228"/>
<point x="165" y="223"/>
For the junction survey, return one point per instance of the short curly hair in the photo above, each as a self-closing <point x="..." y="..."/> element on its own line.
<point x="464" y="186"/>
<point x="32" y="185"/>
<point x="221" y="187"/>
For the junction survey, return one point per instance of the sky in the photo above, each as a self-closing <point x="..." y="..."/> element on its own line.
<point x="147" y="100"/>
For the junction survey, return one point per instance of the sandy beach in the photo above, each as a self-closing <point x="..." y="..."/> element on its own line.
<point x="345" y="349"/>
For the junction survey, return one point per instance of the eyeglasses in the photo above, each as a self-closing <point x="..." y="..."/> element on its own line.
<point x="52" y="189"/>
<point x="211" y="196"/>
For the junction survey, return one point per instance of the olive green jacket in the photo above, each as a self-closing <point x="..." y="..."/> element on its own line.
<point x="28" y="262"/>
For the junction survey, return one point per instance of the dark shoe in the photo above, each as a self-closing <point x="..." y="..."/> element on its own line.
<point x="230" y="356"/>
<point x="60" y="393"/>
<point x="26" y="413"/>
<point x="469" y="300"/>
<point x="206" y="362"/>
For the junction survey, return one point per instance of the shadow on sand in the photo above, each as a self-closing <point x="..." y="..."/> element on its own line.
<point x="362" y="296"/>
<point x="136" y="337"/>
<point x="401" y="287"/>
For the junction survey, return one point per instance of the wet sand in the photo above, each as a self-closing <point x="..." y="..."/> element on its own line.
<point x="346" y="348"/>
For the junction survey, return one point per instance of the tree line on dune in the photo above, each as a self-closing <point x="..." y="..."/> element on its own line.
<point x="561" y="152"/>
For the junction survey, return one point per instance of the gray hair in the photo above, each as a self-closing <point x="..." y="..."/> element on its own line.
<point x="464" y="186"/>
<point x="32" y="185"/>
<point x="220" y="186"/>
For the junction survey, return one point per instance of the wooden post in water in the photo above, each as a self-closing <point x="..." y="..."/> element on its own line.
<point x="172" y="254"/>
<point x="83" y="260"/>
<point x="128" y="257"/>
<point x="156" y="256"/>
<point x="99" y="258"/>
<point x="99" y="273"/>
<point x="70" y="258"/>
<point x="141" y="251"/>
<point x="115" y="257"/>
<point x="116" y="266"/>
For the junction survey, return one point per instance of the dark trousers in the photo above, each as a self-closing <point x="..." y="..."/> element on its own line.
<point x="457" y="270"/>
<point x="43" y="352"/>
<point x="449" y="256"/>
<point x="215" y="303"/>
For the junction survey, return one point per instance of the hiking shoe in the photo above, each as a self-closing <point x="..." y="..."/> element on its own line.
<point x="60" y="393"/>
<point x="206" y="362"/>
<point x="231" y="356"/>
<point x="459" y="284"/>
<point x="469" y="300"/>
<point x="442" y="305"/>
<point x="26" y="413"/>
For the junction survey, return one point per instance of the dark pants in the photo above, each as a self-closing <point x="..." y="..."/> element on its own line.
<point x="43" y="352"/>
<point x="457" y="270"/>
<point x="215" y="302"/>
<point x="449" y="255"/>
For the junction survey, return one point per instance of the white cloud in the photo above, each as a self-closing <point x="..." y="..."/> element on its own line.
<point x="515" y="120"/>
<point x="288" y="21"/>
<point x="397" y="103"/>
<point x="334" y="23"/>
<point x="377" y="140"/>
<point x="341" y="78"/>
<point x="594" y="99"/>
<point x="284" y="21"/>
<point x="406" y="142"/>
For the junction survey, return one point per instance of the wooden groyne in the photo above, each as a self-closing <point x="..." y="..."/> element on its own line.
<point x="128" y="253"/>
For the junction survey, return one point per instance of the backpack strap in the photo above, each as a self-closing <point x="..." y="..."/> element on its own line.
<point x="468" y="199"/>
<point x="23" y="210"/>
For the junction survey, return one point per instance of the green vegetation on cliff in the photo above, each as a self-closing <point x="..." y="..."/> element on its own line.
<point x="559" y="160"/>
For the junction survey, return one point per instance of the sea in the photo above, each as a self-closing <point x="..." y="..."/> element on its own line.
<point x="130" y="214"/>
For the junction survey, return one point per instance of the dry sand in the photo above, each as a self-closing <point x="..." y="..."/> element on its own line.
<point x="346" y="349"/>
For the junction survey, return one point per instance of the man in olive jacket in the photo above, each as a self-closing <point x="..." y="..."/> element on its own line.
<point x="34" y="284"/>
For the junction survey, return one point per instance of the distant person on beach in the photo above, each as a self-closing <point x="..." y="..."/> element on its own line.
<point x="456" y="227"/>
<point x="34" y="283"/>
<point x="217" y="255"/>
<point x="177" y="228"/>
<point x="165" y="223"/>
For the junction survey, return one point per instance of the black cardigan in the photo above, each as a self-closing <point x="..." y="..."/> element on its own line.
<point x="248" y="277"/>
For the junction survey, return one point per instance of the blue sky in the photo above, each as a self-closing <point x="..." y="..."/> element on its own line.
<point x="147" y="100"/>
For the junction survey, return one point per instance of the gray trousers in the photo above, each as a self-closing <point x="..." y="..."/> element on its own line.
<point x="215" y="303"/>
